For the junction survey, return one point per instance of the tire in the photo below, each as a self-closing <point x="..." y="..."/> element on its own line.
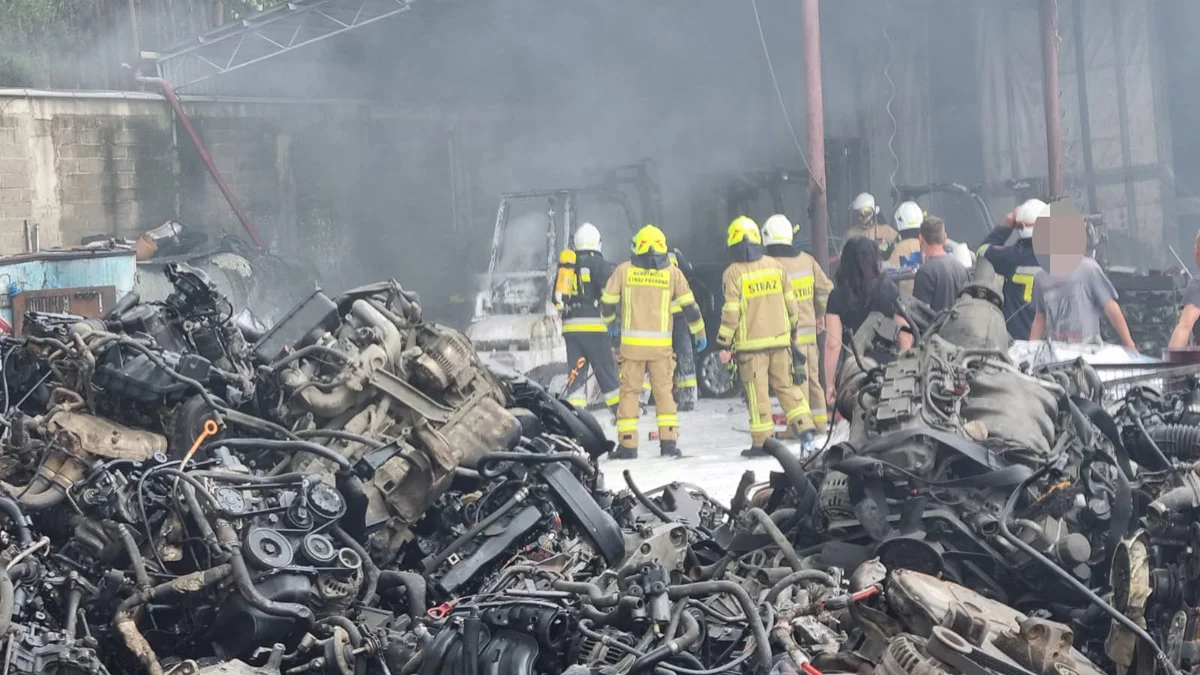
<point x="552" y="376"/>
<point x="715" y="379"/>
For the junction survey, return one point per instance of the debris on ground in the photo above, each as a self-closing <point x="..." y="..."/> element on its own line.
<point x="353" y="491"/>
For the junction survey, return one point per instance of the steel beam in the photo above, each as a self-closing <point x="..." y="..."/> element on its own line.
<point x="268" y="34"/>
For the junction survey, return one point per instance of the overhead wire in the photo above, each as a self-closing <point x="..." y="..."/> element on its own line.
<point x="779" y="92"/>
<point x="887" y="75"/>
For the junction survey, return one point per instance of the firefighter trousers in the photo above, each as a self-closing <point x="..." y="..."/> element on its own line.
<point x="685" y="364"/>
<point x="772" y="370"/>
<point x="809" y="373"/>
<point x="633" y="371"/>
<point x="596" y="350"/>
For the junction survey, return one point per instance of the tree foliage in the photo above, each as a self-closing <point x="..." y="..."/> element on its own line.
<point x="82" y="44"/>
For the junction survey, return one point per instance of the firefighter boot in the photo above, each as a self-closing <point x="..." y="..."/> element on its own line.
<point x="623" y="453"/>
<point x="669" y="449"/>
<point x="754" y="452"/>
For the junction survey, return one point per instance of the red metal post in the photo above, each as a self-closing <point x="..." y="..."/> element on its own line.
<point x="816" y="133"/>
<point x="1054" y="141"/>
<point x="234" y="204"/>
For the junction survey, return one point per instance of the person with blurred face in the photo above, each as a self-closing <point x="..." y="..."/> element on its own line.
<point x="941" y="277"/>
<point x="1070" y="291"/>
<point x="583" y="273"/>
<point x="866" y="224"/>
<point x="1187" y="331"/>
<point x="1017" y="263"/>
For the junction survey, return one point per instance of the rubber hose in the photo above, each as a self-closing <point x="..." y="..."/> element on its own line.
<point x="778" y="537"/>
<point x="470" y="642"/>
<point x="806" y="494"/>
<point x="135" y="557"/>
<point x="702" y="588"/>
<point x="594" y="595"/>
<point x="245" y="585"/>
<point x="1180" y="441"/>
<point x="356" y="640"/>
<point x="1160" y="657"/>
<point x="11" y="509"/>
<point x="644" y="500"/>
<point x="414" y="586"/>
<point x="287" y="446"/>
<point x="797" y="577"/>
<point x="691" y="633"/>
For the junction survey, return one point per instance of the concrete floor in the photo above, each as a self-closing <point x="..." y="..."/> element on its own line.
<point x="711" y="438"/>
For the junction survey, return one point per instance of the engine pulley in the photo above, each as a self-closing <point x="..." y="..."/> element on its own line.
<point x="267" y="549"/>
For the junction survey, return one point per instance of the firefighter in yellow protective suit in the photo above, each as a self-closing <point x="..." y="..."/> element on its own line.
<point x="644" y="289"/>
<point x="757" y="321"/>
<point x="811" y="288"/>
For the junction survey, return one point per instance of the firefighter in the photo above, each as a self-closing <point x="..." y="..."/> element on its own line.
<point x="646" y="288"/>
<point x="1017" y="263"/>
<point x="758" y="320"/>
<point x="681" y="341"/>
<point x="583" y="329"/>
<point x="811" y="289"/>
<point x="867" y="224"/>
<point x="906" y="256"/>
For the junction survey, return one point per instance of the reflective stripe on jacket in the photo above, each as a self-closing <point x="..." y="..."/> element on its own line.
<point x="760" y="309"/>
<point x="646" y="297"/>
<point x="581" y="308"/>
<point x="810" y="287"/>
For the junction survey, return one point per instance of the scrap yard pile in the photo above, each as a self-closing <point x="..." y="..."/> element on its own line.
<point x="352" y="491"/>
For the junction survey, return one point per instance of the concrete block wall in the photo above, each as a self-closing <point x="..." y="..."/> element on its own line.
<point x="16" y="195"/>
<point x="80" y="166"/>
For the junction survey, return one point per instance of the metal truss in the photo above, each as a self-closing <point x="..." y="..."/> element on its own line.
<point x="275" y="31"/>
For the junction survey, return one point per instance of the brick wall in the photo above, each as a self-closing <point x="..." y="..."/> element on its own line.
<point x="115" y="174"/>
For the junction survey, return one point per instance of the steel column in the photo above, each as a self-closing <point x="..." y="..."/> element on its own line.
<point x="1054" y="141"/>
<point x="816" y="133"/>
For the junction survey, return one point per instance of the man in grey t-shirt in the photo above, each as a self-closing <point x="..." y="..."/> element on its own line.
<point x="1068" y="308"/>
<point x="941" y="277"/>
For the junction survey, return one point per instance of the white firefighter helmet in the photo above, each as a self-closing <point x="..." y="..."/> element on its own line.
<point x="864" y="202"/>
<point x="587" y="238"/>
<point x="909" y="216"/>
<point x="777" y="230"/>
<point x="1027" y="215"/>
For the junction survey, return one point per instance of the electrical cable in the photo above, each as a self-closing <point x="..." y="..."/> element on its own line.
<point x="779" y="92"/>
<point x="887" y="75"/>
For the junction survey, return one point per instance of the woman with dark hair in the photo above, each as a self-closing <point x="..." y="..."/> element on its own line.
<point x="860" y="287"/>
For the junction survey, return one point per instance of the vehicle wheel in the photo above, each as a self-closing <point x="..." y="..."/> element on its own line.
<point x="552" y="376"/>
<point x="716" y="379"/>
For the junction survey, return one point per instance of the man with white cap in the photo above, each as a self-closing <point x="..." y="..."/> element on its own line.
<point x="1017" y="263"/>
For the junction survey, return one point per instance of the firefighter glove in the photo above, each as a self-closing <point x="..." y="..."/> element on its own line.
<point x="701" y="343"/>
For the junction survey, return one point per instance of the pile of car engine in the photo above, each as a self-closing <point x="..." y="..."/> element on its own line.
<point x="352" y="491"/>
